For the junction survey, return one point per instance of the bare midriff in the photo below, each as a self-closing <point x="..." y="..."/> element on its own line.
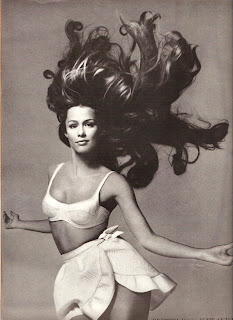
<point x="68" y="237"/>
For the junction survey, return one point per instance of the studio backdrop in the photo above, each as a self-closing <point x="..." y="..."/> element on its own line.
<point x="194" y="208"/>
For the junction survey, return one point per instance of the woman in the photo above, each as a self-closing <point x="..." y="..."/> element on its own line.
<point x="111" y="107"/>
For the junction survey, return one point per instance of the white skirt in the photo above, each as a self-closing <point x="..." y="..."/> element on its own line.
<point x="85" y="284"/>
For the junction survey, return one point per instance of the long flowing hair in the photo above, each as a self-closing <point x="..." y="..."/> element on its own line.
<point x="133" y="97"/>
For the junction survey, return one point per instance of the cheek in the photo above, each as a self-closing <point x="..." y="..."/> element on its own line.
<point x="69" y="134"/>
<point x="94" y="134"/>
<point x="97" y="135"/>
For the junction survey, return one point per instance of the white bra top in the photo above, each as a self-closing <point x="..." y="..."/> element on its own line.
<point x="83" y="214"/>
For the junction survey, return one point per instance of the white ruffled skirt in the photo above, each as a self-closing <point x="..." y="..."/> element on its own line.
<point x="85" y="283"/>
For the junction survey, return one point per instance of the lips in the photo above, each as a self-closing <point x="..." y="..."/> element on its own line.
<point x="82" y="142"/>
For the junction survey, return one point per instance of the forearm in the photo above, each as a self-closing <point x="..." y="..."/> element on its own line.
<point x="34" y="225"/>
<point x="140" y="228"/>
<point x="168" y="248"/>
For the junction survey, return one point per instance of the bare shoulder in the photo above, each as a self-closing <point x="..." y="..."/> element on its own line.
<point x="118" y="184"/>
<point x="51" y="170"/>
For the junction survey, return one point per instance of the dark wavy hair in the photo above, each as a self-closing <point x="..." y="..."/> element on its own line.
<point x="133" y="98"/>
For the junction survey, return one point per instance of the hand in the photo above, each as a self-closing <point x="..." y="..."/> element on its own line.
<point x="11" y="220"/>
<point x="218" y="255"/>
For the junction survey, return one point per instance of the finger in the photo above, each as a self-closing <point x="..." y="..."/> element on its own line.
<point x="4" y="216"/>
<point x="4" y="213"/>
<point x="6" y="219"/>
<point x="13" y="214"/>
<point x="229" y="261"/>
<point x="228" y="246"/>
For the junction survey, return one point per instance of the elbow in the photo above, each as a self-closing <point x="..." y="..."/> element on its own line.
<point x="148" y="242"/>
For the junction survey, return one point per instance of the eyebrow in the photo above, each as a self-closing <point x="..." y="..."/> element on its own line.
<point x="83" y="121"/>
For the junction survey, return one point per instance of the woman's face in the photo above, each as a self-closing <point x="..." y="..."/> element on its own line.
<point x="82" y="129"/>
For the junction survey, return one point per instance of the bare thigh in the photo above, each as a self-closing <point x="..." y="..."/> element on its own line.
<point x="80" y="318"/>
<point x="127" y="305"/>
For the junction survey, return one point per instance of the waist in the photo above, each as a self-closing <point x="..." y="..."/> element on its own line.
<point x="108" y="234"/>
<point x="68" y="237"/>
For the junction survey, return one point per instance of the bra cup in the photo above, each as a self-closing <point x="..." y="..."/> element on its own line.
<point x="77" y="214"/>
<point x="83" y="214"/>
<point x="79" y="217"/>
<point x="49" y="209"/>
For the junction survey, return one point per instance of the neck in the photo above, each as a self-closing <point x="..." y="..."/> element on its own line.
<point x="85" y="163"/>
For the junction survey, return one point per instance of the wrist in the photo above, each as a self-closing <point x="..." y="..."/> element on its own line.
<point x="19" y="224"/>
<point x="199" y="254"/>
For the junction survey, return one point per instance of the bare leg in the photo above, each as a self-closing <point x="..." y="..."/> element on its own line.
<point x="80" y="318"/>
<point x="127" y="305"/>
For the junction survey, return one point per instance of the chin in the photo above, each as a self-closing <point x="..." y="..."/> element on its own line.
<point x="84" y="150"/>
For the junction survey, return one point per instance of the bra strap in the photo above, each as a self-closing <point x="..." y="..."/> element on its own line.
<point x="54" y="174"/>
<point x="103" y="181"/>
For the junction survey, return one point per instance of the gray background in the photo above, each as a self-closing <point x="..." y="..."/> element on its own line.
<point x="194" y="209"/>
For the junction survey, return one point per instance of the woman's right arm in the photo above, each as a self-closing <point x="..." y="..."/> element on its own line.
<point x="12" y="221"/>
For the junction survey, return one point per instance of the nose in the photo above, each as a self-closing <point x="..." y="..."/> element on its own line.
<point x="81" y="131"/>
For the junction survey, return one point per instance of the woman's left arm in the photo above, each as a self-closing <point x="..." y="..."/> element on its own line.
<point x="124" y="195"/>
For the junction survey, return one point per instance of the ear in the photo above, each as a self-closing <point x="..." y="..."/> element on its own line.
<point x="66" y="135"/>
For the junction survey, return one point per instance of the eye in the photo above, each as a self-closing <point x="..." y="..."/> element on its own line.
<point x="90" y="124"/>
<point x="72" y="126"/>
